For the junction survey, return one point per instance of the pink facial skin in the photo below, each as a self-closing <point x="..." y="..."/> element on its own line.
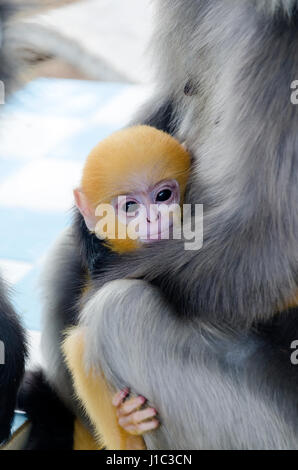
<point x="145" y="206"/>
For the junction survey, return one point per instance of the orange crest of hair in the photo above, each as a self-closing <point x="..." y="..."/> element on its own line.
<point x="131" y="160"/>
<point x="127" y="159"/>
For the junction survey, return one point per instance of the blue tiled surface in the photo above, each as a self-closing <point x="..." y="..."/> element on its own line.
<point x="18" y="421"/>
<point x="80" y="143"/>
<point x="29" y="305"/>
<point x="27" y="234"/>
<point x="8" y="168"/>
<point x="75" y="98"/>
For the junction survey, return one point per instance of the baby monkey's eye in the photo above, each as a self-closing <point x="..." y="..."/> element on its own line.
<point x="164" y="195"/>
<point x="130" y="207"/>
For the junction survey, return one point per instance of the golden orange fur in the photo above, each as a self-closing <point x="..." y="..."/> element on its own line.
<point x="96" y="397"/>
<point x="83" y="440"/>
<point x="122" y="162"/>
<point x="293" y="303"/>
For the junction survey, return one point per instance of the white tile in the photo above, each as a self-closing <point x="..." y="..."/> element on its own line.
<point x="43" y="185"/>
<point x="29" y="136"/>
<point x="14" y="271"/>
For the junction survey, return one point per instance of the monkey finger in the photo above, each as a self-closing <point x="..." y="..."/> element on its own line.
<point x="142" y="428"/>
<point x="137" y="417"/>
<point x="131" y="405"/>
<point x="120" y="396"/>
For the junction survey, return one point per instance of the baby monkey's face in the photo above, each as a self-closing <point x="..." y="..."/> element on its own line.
<point x="133" y="187"/>
<point x="153" y="209"/>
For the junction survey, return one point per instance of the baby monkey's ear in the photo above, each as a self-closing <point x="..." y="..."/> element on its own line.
<point x="85" y="209"/>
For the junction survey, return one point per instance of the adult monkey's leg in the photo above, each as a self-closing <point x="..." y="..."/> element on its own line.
<point x="213" y="389"/>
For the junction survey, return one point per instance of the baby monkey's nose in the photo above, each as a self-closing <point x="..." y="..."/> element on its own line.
<point x="156" y="217"/>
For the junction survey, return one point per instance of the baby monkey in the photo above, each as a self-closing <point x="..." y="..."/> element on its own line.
<point x="132" y="182"/>
<point x="131" y="193"/>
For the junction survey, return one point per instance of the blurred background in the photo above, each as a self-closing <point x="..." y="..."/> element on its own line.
<point x="85" y="39"/>
<point x="86" y="71"/>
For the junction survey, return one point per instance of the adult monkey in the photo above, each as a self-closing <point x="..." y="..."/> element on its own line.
<point x="12" y="337"/>
<point x="224" y="79"/>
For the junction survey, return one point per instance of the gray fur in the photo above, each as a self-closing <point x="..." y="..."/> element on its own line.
<point x="210" y="390"/>
<point x="9" y="65"/>
<point x="53" y="322"/>
<point x="242" y="130"/>
<point x="61" y="285"/>
<point x="175" y="343"/>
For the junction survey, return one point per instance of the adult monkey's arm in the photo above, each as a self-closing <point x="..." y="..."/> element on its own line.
<point x="241" y="127"/>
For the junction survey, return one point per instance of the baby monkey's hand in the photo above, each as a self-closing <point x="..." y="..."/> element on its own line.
<point x="134" y="416"/>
